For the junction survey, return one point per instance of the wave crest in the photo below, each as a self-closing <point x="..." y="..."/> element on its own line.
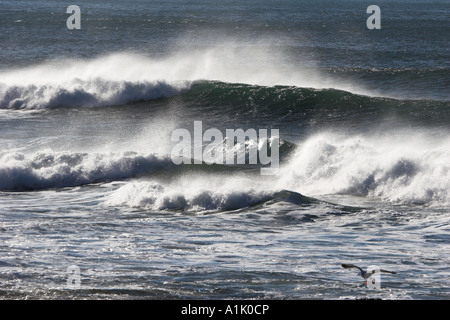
<point x="85" y="93"/>
<point x="226" y="196"/>
<point x="43" y="170"/>
<point x="406" y="169"/>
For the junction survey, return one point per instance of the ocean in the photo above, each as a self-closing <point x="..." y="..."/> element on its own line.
<point x="93" y="205"/>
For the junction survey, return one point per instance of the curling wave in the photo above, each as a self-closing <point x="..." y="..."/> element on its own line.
<point x="224" y="197"/>
<point x="43" y="170"/>
<point x="124" y="77"/>
<point x="81" y="93"/>
<point x="407" y="168"/>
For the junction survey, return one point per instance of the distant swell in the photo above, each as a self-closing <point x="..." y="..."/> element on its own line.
<point x="43" y="170"/>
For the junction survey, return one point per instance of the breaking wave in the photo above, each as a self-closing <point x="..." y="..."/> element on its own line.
<point x="405" y="169"/>
<point x="205" y="196"/>
<point x="43" y="170"/>
<point x="121" y="78"/>
<point x="408" y="168"/>
<point x="82" y="93"/>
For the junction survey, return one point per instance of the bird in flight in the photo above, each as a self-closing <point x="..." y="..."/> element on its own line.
<point x="363" y="273"/>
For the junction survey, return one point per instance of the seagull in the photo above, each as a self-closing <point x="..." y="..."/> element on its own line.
<point x="363" y="273"/>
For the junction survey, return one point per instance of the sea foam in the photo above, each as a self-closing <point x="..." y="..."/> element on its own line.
<point x="406" y="168"/>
